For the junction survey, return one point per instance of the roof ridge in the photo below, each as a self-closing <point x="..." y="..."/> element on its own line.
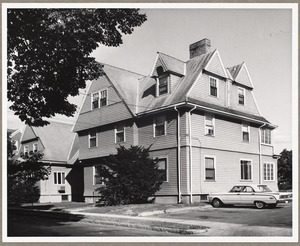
<point x="170" y="56"/>
<point x="102" y="63"/>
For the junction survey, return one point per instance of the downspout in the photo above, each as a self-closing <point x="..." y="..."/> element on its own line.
<point x="178" y="155"/>
<point x="190" y="155"/>
<point x="260" y="156"/>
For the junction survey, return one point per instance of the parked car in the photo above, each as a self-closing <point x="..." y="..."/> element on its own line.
<point x="257" y="195"/>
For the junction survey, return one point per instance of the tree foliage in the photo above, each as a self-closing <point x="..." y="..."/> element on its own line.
<point x="48" y="55"/>
<point x="130" y="176"/>
<point x="23" y="174"/>
<point x="285" y="169"/>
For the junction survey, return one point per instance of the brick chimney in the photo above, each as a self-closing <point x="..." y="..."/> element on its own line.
<point x="199" y="48"/>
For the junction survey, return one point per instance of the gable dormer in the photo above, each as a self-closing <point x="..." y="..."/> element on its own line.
<point x="167" y="71"/>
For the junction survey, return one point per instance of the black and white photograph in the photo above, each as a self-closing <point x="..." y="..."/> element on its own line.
<point x="150" y="122"/>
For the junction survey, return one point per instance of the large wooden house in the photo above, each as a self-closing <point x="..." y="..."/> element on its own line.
<point x="200" y="118"/>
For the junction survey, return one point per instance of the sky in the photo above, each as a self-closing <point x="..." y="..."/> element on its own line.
<point x="262" y="38"/>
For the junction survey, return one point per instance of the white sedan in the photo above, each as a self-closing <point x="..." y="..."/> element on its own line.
<point x="257" y="195"/>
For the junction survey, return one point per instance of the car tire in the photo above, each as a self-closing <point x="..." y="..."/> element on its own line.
<point x="272" y="205"/>
<point x="216" y="203"/>
<point x="259" y="204"/>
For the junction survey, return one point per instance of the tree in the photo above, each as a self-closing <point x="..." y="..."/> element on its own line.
<point x="285" y="174"/>
<point x="48" y="55"/>
<point x="130" y="176"/>
<point x="23" y="175"/>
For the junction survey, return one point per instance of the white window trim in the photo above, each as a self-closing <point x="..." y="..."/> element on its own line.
<point x="99" y="98"/>
<point x="248" y="126"/>
<point x="217" y="84"/>
<point x="252" y="174"/>
<point x="116" y="131"/>
<point x="215" y="167"/>
<point x="214" y="124"/>
<point x="26" y="146"/>
<point x="62" y="172"/>
<point x="157" y="85"/>
<point x="89" y="138"/>
<point x="94" y="174"/>
<point x="167" y="165"/>
<point x="274" y="171"/>
<point x="35" y="144"/>
<point x="16" y="145"/>
<point x="271" y="137"/>
<point x="244" y="92"/>
<point x="154" y="125"/>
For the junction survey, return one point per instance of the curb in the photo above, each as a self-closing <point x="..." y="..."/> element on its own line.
<point x="115" y="220"/>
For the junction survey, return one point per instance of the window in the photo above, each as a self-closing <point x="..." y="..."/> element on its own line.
<point x="34" y="147"/>
<point x="210" y="168"/>
<point x="99" y="99"/>
<point x="95" y="100"/>
<point x="103" y="98"/>
<point x="268" y="171"/>
<point x="209" y="125"/>
<point x="162" y="85"/>
<point x="241" y="96"/>
<point x="160" y="125"/>
<point x="26" y="150"/>
<point x="162" y="168"/>
<point x="59" y="178"/>
<point x="16" y="144"/>
<point x="246" y="170"/>
<point x="120" y="133"/>
<point x="245" y="132"/>
<point x="92" y="139"/>
<point x="213" y="91"/>
<point x="266" y="136"/>
<point x="97" y="178"/>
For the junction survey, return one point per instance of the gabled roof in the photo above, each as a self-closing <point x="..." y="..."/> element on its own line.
<point x="234" y="71"/>
<point x="168" y="63"/>
<point x="241" y="75"/>
<point x="57" y="140"/>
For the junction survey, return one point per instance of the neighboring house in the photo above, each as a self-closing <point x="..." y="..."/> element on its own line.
<point x="200" y="119"/>
<point x="60" y="150"/>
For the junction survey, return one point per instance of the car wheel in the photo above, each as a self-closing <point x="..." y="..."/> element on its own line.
<point x="272" y="205"/>
<point x="259" y="205"/>
<point x="216" y="203"/>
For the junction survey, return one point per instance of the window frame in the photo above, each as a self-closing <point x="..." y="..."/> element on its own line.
<point x="244" y="96"/>
<point x="94" y="177"/>
<point x="167" y="166"/>
<point x="272" y="171"/>
<point x="56" y="179"/>
<point x="89" y="139"/>
<point x="217" y="86"/>
<point x="251" y="169"/>
<point x="99" y="93"/>
<point x="248" y="128"/>
<point x="215" y="167"/>
<point x="155" y="124"/>
<point x="158" y="84"/>
<point x="34" y="147"/>
<point x="26" y="147"/>
<point x="213" y="125"/>
<point x="100" y="98"/>
<point x="116" y="132"/>
<point x="263" y="136"/>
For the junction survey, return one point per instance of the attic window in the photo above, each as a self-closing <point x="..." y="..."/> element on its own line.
<point x="241" y="95"/>
<point x="99" y="99"/>
<point x="213" y="86"/>
<point x="162" y="85"/>
<point x="159" y="70"/>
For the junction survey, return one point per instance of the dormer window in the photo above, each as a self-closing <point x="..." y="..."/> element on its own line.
<point x="241" y="96"/>
<point x="162" y="85"/>
<point x="213" y="86"/>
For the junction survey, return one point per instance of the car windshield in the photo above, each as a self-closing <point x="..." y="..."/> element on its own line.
<point x="263" y="188"/>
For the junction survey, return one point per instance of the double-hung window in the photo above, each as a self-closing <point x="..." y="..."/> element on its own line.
<point x="119" y="133"/>
<point x="246" y="170"/>
<point x="160" y="125"/>
<point x="162" y="168"/>
<point x="241" y="96"/>
<point x="35" y="147"/>
<point x="210" y="173"/>
<point x="268" y="171"/>
<point x="163" y="85"/>
<point x="246" y="133"/>
<point x="59" y="178"/>
<point x="266" y="136"/>
<point x="99" y="99"/>
<point x="26" y="150"/>
<point x="209" y="125"/>
<point x="95" y="100"/>
<point x="98" y="179"/>
<point x="213" y="86"/>
<point x="103" y="98"/>
<point x="92" y="139"/>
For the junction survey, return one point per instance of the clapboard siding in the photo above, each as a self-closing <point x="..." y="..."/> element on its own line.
<point x="250" y="105"/>
<point x="228" y="135"/>
<point x="146" y="132"/>
<point x="215" y="66"/>
<point x="170" y="187"/>
<point x="201" y="91"/>
<point x="267" y="149"/>
<point x="243" y="77"/>
<point x="106" y="141"/>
